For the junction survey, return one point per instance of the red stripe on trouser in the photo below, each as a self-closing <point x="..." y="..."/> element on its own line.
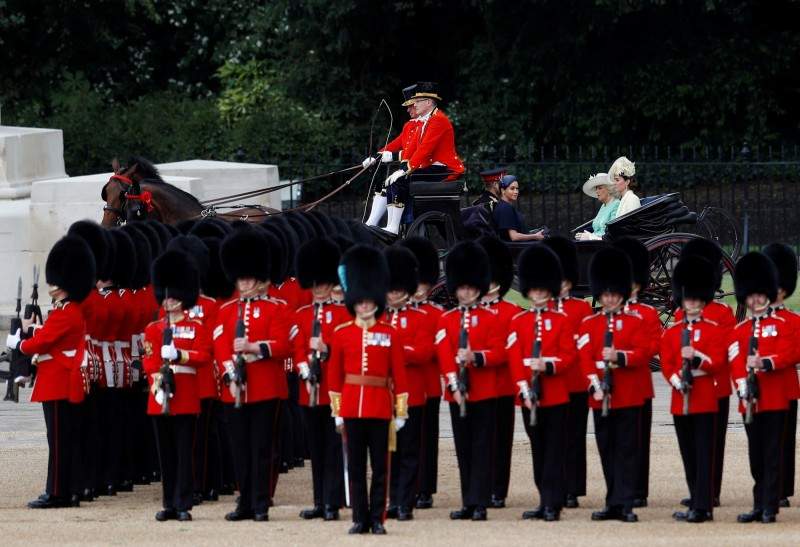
<point x="57" y="463"/>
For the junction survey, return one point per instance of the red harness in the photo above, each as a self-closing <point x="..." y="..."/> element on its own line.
<point x="145" y="197"/>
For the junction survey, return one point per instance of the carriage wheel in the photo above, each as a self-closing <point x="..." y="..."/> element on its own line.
<point x="664" y="253"/>
<point x="436" y="227"/>
<point x="719" y="225"/>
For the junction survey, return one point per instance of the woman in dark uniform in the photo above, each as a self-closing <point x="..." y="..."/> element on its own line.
<point x="509" y="221"/>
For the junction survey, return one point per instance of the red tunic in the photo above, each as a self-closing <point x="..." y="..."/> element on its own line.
<point x="95" y="315"/>
<point x="292" y="293"/>
<point x="506" y="384"/>
<point x="652" y="324"/>
<point x="414" y="333"/>
<point x="793" y="320"/>
<point x="59" y="345"/>
<point x="267" y="321"/>
<point x="486" y="341"/>
<point x="576" y="310"/>
<point x="709" y="341"/>
<point x="433" y="377"/>
<point x="331" y="316"/>
<point x="406" y="141"/>
<point x="436" y="144"/>
<point x="558" y="350"/>
<point x="372" y="352"/>
<point x="192" y="340"/>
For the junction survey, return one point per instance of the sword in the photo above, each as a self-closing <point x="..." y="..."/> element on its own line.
<point x="346" y="471"/>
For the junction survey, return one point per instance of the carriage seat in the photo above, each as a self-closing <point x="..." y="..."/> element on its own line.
<point x="443" y="196"/>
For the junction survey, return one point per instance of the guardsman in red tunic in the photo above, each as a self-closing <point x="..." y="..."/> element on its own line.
<point x="723" y="315"/>
<point x="640" y="260"/>
<point x="367" y="384"/>
<point x="251" y="341"/>
<point x="541" y="349"/>
<point x="576" y="310"/>
<point x="400" y="148"/>
<point x="612" y="345"/>
<point x="470" y="346"/>
<point x="785" y="261"/>
<point x="691" y="351"/>
<point x="414" y="333"/>
<point x="176" y="349"/>
<point x="761" y="347"/>
<point x="59" y="349"/>
<point x="312" y="333"/>
<point x="501" y="265"/>
<point x="434" y="157"/>
<point x="429" y="271"/>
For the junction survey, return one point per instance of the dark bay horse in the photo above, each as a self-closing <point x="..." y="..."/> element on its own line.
<point x="138" y="192"/>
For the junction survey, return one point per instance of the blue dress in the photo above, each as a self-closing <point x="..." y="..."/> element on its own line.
<point x="507" y="217"/>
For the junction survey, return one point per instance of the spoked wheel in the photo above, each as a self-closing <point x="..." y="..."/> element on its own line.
<point x="436" y="227"/>
<point x="665" y="251"/>
<point x="719" y="225"/>
<point x="440" y="295"/>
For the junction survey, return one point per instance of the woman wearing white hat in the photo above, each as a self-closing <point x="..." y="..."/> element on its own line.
<point x="598" y="186"/>
<point x="622" y="175"/>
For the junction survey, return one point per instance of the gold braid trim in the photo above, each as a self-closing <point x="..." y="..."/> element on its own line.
<point x="336" y="403"/>
<point x="401" y="406"/>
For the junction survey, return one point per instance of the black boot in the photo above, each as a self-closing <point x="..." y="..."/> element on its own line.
<point x="571" y="501"/>
<point x="166" y="514"/>
<point x="378" y="529"/>
<point x="465" y="513"/>
<point x="752" y="516"/>
<point x="424" y="501"/>
<point x="479" y="513"/>
<point x="405" y="514"/>
<point x="497" y="502"/>
<point x="698" y="516"/>
<point x="331" y="513"/>
<point x="314" y="513"/>
<point x="359" y="528"/>
<point x="551" y="514"/>
<point x="47" y="501"/>
<point x="608" y="513"/>
<point x="184" y="516"/>
<point x="239" y="514"/>
<point x="535" y="514"/>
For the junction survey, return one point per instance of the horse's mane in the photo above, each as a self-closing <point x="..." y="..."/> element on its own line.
<point x="175" y="191"/>
<point x="146" y="169"/>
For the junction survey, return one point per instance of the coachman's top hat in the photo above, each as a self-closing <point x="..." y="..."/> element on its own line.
<point x="408" y="95"/>
<point x="426" y="90"/>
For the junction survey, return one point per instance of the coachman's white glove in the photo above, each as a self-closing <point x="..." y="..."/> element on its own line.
<point x="391" y="179"/>
<point x="386" y="156"/>
<point x="369" y="162"/>
<point x="12" y="340"/>
<point x="169" y="352"/>
<point x="399" y="423"/>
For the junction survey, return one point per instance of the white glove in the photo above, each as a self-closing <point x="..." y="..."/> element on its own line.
<point x="305" y="372"/>
<point x="399" y="423"/>
<point x="369" y="162"/>
<point x="587" y="236"/>
<point x="339" y="421"/>
<point x="391" y="179"/>
<point x="386" y="156"/>
<point x="741" y="388"/>
<point x="169" y="352"/>
<point x="12" y="340"/>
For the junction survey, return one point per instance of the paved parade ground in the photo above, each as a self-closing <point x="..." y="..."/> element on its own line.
<point x="128" y="517"/>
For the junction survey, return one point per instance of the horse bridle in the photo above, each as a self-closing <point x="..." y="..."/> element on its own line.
<point x="126" y="185"/>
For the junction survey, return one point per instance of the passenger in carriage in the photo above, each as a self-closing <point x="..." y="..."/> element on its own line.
<point x="622" y="175"/>
<point x="600" y="187"/>
<point x="491" y="188"/>
<point x="509" y="221"/>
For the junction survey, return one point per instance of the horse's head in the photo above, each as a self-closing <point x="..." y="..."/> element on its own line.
<point x="123" y="196"/>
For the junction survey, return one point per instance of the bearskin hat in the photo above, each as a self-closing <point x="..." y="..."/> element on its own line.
<point x="427" y="258"/>
<point x="567" y="253"/>
<point x="610" y="271"/>
<point x="185" y="226"/>
<point x="364" y="275"/>
<point x="501" y="263"/>
<point x="173" y="231"/>
<point x="785" y="261"/>
<point x="755" y="274"/>
<point x="70" y="266"/>
<point x="195" y="249"/>
<point x="325" y="221"/>
<point x="467" y="264"/>
<point x="343" y="243"/>
<point x="175" y="275"/>
<point x="317" y="262"/>
<point x="217" y="284"/>
<point x="210" y="228"/>
<point x="280" y="259"/>
<point x="124" y="259"/>
<point x="163" y="231"/>
<point x="245" y="253"/>
<point x="640" y="259"/>
<point x="709" y="250"/>
<point x="341" y="227"/>
<point x="305" y="229"/>
<point x="95" y="237"/>
<point x="320" y="230"/>
<point x="144" y="257"/>
<point x="403" y="269"/>
<point x="693" y="277"/>
<point x="539" y="268"/>
<point x="291" y="240"/>
<point x="150" y="234"/>
<point x="107" y="273"/>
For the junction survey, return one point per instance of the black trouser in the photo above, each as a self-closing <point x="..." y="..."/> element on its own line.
<point x="789" y="446"/>
<point x="300" y="448"/>
<point x="325" y="444"/>
<point x="174" y="436"/>
<point x="696" y="439"/>
<point x="287" y="427"/>
<point x="398" y="192"/>
<point x="719" y="442"/>
<point x="548" y="441"/>
<point x="617" y="441"/>
<point x="142" y="435"/>
<point x="88" y="446"/>
<point x="225" y="441"/>
<point x="575" y="453"/>
<point x="503" y="443"/>
<point x="473" y="439"/>
<point x="207" y="449"/>
<point x="764" y="450"/>
<point x="253" y="429"/>
<point x="429" y="457"/>
<point x="643" y="450"/>
<point x="133" y="447"/>
<point x="405" y="461"/>
<point x="111" y="436"/>
<point x="77" y="466"/>
<point x="367" y="435"/>
<point x="59" y="421"/>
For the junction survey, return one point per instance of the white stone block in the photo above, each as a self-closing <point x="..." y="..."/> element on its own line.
<point x="27" y="155"/>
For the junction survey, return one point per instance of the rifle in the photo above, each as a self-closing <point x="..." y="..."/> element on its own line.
<point x="752" y="382"/>
<point x="167" y="375"/>
<point x="607" y="382"/>
<point x="463" y="374"/>
<point x="315" y="370"/>
<point x="16" y="366"/>
<point x="240" y="374"/>
<point x="686" y="368"/>
<point x="33" y="311"/>
<point x="536" y="385"/>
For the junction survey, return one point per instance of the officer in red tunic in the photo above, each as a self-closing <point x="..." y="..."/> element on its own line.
<point x="252" y="368"/>
<point x="722" y="314"/>
<point x="316" y="263"/>
<point x="470" y="346"/>
<point x="501" y="265"/>
<point x="575" y="430"/>
<point x="173" y="362"/>
<point x="640" y="260"/>
<point x="785" y="261"/>
<point x="761" y="347"/>
<point x="691" y="351"/>
<point x="541" y="349"/>
<point x="58" y="346"/>
<point x="414" y="333"/>
<point x="613" y="343"/>
<point x="428" y="259"/>
<point x="367" y="383"/>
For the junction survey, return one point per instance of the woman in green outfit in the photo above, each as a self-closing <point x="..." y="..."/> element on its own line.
<point x="599" y="186"/>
